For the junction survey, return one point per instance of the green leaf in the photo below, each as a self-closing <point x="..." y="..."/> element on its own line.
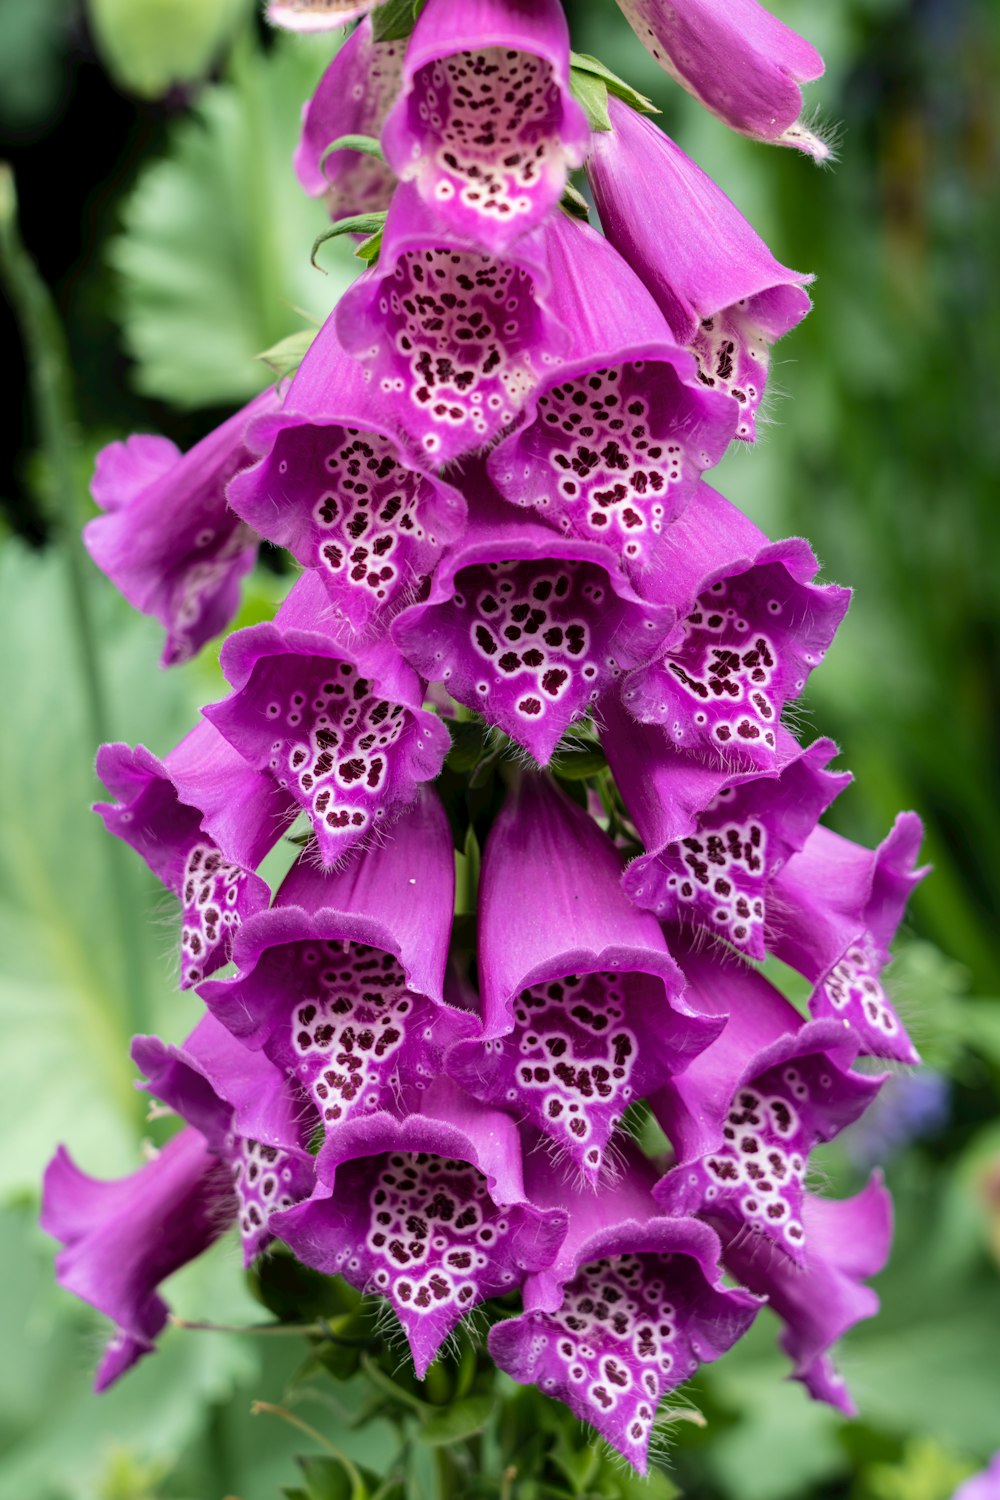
<point x="394" y="20"/>
<point x="581" y="63"/>
<point x="468" y="743"/>
<point x="216" y="236"/>
<point x="150" y="45"/>
<point x="455" y="1423"/>
<point x="287" y="354"/>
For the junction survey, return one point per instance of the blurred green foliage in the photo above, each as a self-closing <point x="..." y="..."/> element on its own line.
<point x="884" y="450"/>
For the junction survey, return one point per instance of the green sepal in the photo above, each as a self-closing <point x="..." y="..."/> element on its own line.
<point x="294" y="1293"/>
<point x="581" y="63"/>
<point x="367" y="144"/>
<point x="329" y="1478"/>
<point x="579" y="765"/>
<point x="575" y="203"/>
<point x="367" y="224"/>
<point x="287" y="354"/>
<point x="591" y="93"/>
<point x="394" y="20"/>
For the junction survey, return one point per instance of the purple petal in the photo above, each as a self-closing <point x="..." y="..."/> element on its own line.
<point x="340" y="728"/>
<point x="582" y="1003"/>
<point x="838" y="906"/>
<point x="352" y="98"/>
<point x="984" y="1486"/>
<point x="167" y="539"/>
<point x="452" y="339"/>
<point x="487" y="127"/>
<point x="526" y="627"/>
<point x="427" y="1210"/>
<point x="737" y="60"/>
<point x="338" y="491"/>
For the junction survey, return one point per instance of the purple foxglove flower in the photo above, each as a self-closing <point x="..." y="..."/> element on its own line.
<point x="428" y="1210"/>
<point x="753" y="626"/>
<point x="341" y="981"/>
<point x="724" y="295"/>
<point x="123" y="1238"/>
<point x="737" y="60"/>
<point x="217" y="1085"/>
<point x="337" y="489"/>
<point x="486" y="125"/>
<point x="352" y="98"/>
<point x="582" y="1004"/>
<point x="984" y="1486"/>
<point x="838" y="905"/>
<point x="526" y="627"/>
<point x="613" y="442"/>
<point x="715" y="841"/>
<point x="339" y="728"/>
<point x="846" y="1242"/>
<point x="453" y="339"/>
<point x="203" y="820"/>
<point x="317" y="15"/>
<point x="631" y="1307"/>
<point x="167" y="539"/>
<point x="743" y="1118"/>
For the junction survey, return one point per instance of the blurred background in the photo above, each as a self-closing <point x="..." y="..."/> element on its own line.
<point x="150" y="144"/>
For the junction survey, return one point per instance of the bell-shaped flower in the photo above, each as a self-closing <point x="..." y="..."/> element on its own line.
<point x="526" y="627"/>
<point x="337" y="488"/>
<point x="249" y="1112"/>
<point x="427" y="1210"/>
<point x="715" y="841"/>
<point x="721" y="290"/>
<point x="339" y="727"/>
<point x="167" y="538"/>
<point x="838" y="906"/>
<point x="203" y="820"/>
<point x="352" y="98"/>
<point x="982" y="1486"/>
<point x="122" y="1238"/>
<point x="453" y="339"/>
<point x="612" y="443"/>
<point x="752" y="627"/>
<point x="486" y="125"/>
<point x="341" y="981"/>
<point x="738" y="60"/>
<point x="846" y="1242"/>
<point x="743" y="1118"/>
<point x="632" y="1306"/>
<point x="582" y="1005"/>
<point x="317" y="15"/>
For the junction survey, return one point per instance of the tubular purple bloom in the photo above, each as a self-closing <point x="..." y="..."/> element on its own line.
<point x="340" y="728"/>
<point x="352" y="98"/>
<point x="983" y="1486"/>
<point x="737" y="60"/>
<point x="838" y="905"/>
<point x="613" y="443"/>
<point x="743" y="1118"/>
<point x="428" y="1210"/>
<point x="122" y="1238"/>
<point x="202" y="820"/>
<point x="217" y="1085"/>
<point x="753" y="626"/>
<point x="846" y="1242"/>
<point x="167" y="539"/>
<point x="317" y="15"/>
<point x="341" y="981"/>
<point x="526" y="627"/>
<point x="486" y="125"/>
<point x="630" y="1309"/>
<point x="337" y="489"/>
<point x="724" y="295"/>
<point x="453" y="339"/>
<point x="582" y="1004"/>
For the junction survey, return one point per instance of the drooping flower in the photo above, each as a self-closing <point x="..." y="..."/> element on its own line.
<point x="632" y="1306"/>
<point x="341" y="981"/>
<point x="526" y="627"/>
<point x="839" y="905"/>
<point x="453" y="339"/>
<point x="737" y="60"/>
<point x="352" y="98"/>
<point x="612" y="443"/>
<point x="339" y="490"/>
<point x="427" y="1210"/>
<point x="745" y="1115"/>
<point x="724" y="295"/>
<point x="582" y="1005"/>
<point x="982" y="1486"/>
<point x="339" y="727"/>
<point x="753" y="625"/>
<point x="249" y="1113"/>
<point x="203" y="820"/>
<point x="486" y="125"/>
<point x="122" y="1238"/>
<point x="167" y="539"/>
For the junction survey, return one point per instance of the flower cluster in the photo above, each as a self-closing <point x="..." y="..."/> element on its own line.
<point x="489" y="468"/>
